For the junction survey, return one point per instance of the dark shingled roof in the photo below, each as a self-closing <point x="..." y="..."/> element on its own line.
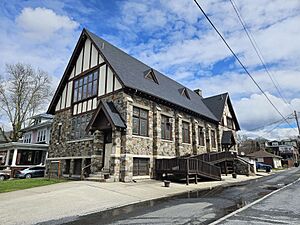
<point x="216" y="105"/>
<point x="132" y="74"/>
<point x="113" y="114"/>
<point x="227" y="138"/>
<point x="110" y="112"/>
<point x="263" y="154"/>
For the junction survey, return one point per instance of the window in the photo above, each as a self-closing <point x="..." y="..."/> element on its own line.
<point x="166" y="128"/>
<point x="86" y="87"/>
<point x="185" y="132"/>
<point x="229" y="123"/>
<point x="213" y="138"/>
<point x="201" y="136"/>
<point x="27" y="138"/>
<point x="140" y="122"/>
<point x="41" y="137"/>
<point x="79" y="124"/>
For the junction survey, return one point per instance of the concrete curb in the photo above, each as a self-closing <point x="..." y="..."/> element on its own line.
<point x="252" y="203"/>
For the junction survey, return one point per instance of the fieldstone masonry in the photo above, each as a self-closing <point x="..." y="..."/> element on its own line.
<point x="125" y="145"/>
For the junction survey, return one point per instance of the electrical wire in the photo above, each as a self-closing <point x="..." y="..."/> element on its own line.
<point x="239" y="61"/>
<point x="258" y="52"/>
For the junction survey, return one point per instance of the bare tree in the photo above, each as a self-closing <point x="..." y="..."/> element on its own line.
<point x="23" y="92"/>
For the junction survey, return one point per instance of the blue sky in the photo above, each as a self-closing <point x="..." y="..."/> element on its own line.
<point x="173" y="37"/>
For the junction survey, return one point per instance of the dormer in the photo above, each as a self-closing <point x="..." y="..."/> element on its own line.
<point x="184" y="92"/>
<point x="150" y="75"/>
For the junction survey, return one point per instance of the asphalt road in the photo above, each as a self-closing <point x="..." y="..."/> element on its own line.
<point x="197" y="207"/>
<point x="281" y="207"/>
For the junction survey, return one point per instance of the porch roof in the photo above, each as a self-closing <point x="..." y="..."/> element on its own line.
<point x="111" y="113"/>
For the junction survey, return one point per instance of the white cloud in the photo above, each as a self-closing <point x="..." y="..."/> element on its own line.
<point x="40" y="37"/>
<point x="188" y="49"/>
<point x="41" y="24"/>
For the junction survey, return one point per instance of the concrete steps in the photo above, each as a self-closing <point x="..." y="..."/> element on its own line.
<point x="98" y="177"/>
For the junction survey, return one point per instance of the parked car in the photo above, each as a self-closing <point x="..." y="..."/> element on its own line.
<point x="4" y="175"/>
<point x="35" y="171"/>
<point x="263" y="166"/>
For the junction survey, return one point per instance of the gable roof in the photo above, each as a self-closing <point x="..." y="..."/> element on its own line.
<point x="216" y="104"/>
<point x="111" y="113"/>
<point x="131" y="73"/>
<point x="263" y="154"/>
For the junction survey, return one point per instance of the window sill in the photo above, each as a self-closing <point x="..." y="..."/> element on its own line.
<point x="186" y="143"/>
<point x="138" y="136"/>
<point x="166" y="140"/>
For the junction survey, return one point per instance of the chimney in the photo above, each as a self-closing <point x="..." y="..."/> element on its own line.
<point x="198" y="92"/>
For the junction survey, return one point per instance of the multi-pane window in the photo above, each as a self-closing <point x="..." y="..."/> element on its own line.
<point x="185" y="132"/>
<point x="213" y="138"/>
<point x="41" y="137"/>
<point x="140" y="122"/>
<point x="86" y="86"/>
<point x="229" y="123"/>
<point x="79" y="124"/>
<point x="27" y="138"/>
<point x="201" y="136"/>
<point x="166" y="128"/>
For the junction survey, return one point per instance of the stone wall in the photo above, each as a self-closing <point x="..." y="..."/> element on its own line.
<point x="127" y="146"/>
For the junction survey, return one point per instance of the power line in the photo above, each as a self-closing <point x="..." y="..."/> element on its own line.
<point x="258" y="52"/>
<point x="272" y="123"/>
<point x="239" y="61"/>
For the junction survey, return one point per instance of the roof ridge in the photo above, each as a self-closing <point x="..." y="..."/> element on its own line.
<point x="155" y="70"/>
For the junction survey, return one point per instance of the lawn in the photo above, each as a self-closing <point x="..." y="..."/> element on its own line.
<point x="20" y="184"/>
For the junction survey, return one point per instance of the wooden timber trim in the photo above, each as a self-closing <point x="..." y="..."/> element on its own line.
<point x="87" y="71"/>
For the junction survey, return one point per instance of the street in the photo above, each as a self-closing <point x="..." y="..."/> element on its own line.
<point x="201" y="207"/>
<point x="280" y="208"/>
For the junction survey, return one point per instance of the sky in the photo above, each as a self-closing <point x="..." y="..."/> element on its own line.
<point x="173" y="37"/>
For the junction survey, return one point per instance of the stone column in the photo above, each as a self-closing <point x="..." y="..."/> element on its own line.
<point x="178" y="134"/>
<point x="97" y="155"/>
<point x="115" y="164"/>
<point x="14" y="159"/>
<point x="156" y="137"/>
<point x="126" y="159"/>
<point x="207" y="138"/>
<point x="195" y="136"/>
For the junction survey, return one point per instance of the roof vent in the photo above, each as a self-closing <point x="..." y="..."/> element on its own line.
<point x="184" y="92"/>
<point x="102" y="46"/>
<point x="150" y="75"/>
<point x="198" y="92"/>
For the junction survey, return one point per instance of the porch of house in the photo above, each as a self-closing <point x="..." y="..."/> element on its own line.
<point x="17" y="156"/>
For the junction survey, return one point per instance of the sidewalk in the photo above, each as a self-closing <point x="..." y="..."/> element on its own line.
<point x="79" y="198"/>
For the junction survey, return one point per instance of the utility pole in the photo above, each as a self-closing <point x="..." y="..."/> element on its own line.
<point x="296" y="117"/>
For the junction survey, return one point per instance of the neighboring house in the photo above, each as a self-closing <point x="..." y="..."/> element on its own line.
<point x="32" y="148"/>
<point x="115" y="115"/>
<point x="287" y="149"/>
<point x="267" y="158"/>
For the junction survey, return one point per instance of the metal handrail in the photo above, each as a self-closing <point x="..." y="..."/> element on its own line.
<point x="81" y="175"/>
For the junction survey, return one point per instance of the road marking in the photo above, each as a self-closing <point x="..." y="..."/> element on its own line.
<point x="251" y="204"/>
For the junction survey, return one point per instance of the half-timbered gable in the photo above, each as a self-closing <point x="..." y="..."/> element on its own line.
<point x="86" y="79"/>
